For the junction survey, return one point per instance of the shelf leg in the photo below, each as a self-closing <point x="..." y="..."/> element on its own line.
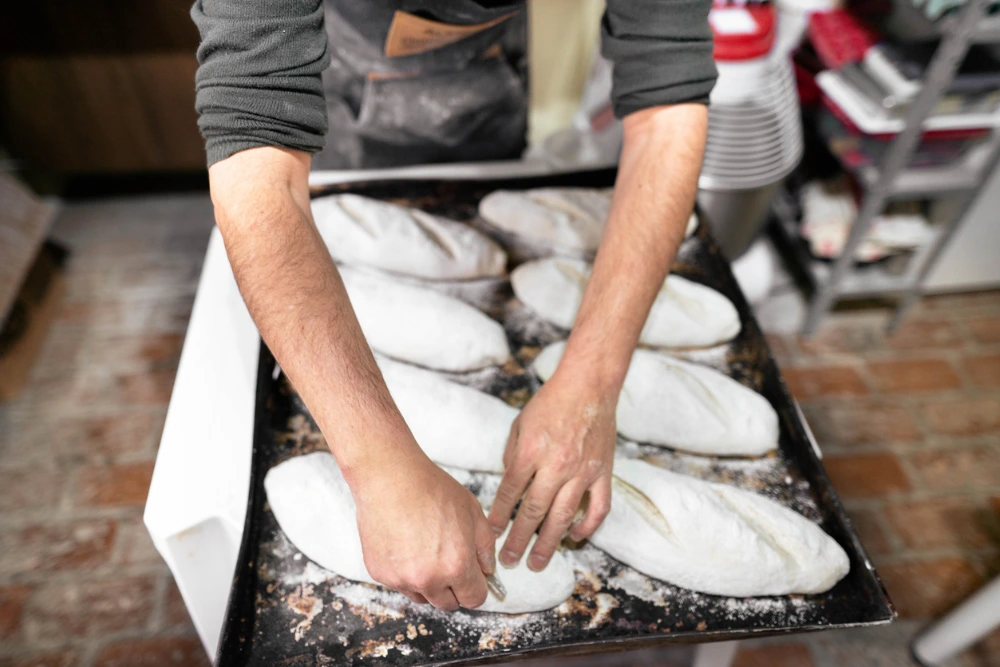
<point x="941" y="72"/>
<point x="960" y="628"/>
<point x="929" y="258"/>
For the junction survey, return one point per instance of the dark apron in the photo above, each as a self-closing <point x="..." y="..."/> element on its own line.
<point x="424" y="81"/>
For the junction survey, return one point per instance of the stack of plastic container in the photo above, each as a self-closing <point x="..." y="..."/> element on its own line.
<point x="754" y="127"/>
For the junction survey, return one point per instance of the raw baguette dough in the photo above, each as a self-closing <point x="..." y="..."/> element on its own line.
<point x="684" y="314"/>
<point x="714" y="538"/>
<point x="572" y="218"/>
<point x="692" y="225"/>
<point x="455" y="425"/>
<point x="314" y="507"/>
<point x="358" y="230"/>
<point x="569" y="217"/>
<point x="423" y="326"/>
<point x="674" y="403"/>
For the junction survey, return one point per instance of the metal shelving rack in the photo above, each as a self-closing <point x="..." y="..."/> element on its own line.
<point x="894" y="180"/>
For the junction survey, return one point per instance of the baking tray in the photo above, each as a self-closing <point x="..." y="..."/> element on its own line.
<point x="285" y="610"/>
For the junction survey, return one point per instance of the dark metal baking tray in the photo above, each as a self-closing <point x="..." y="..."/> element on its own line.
<point x="283" y="610"/>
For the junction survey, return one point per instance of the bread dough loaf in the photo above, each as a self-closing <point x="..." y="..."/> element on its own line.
<point x="358" y="230"/>
<point x="455" y="425"/>
<point x="314" y="508"/>
<point x="684" y="314"/>
<point x="572" y="218"/>
<point x="692" y="225"/>
<point x="423" y="326"/>
<point x="714" y="538"/>
<point x="569" y="218"/>
<point x="674" y="403"/>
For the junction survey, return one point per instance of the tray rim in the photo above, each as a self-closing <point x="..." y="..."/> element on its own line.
<point x="233" y="651"/>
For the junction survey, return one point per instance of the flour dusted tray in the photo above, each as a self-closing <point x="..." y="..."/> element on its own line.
<point x="285" y="610"/>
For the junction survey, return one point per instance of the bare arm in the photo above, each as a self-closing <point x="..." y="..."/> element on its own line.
<point x="421" y="531"/>
<point x="563" y="441"/>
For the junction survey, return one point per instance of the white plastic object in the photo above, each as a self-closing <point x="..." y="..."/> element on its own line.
<point x="198" y="496"/>
<point x="960" y="628"/>
<point x="754" y="131"/>
<point x="717" y="654"/>
<point x="871" y="119"/>
<point x="754" y="271"/>
<point x="882" y="70"/>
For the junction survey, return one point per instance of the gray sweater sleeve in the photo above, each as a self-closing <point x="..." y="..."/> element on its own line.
<point x="661" y="51"/>
<point x="258" y="81"/>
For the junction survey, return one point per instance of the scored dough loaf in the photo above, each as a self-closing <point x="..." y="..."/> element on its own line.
<point x="684" y="314"/>
<point x="569" y="218"/>
<point x="358" y="230"/>
<point x="714" y="538"/>
<point x="673" y="403"/>
<point x="422" y="326"/>
<point x="455" y="425"/>
<point x="572" y="218"/>
<point x="314" y="508"/>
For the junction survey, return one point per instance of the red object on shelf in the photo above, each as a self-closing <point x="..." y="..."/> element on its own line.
<point x="810" y="94"/>
<point x="840" y="38"/>
<point x="742" y="32"/>
<point x="856" y="149"/>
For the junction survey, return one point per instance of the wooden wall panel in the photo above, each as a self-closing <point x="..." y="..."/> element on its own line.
<point x="86" y="114"/>
<point x="94" y="27"/>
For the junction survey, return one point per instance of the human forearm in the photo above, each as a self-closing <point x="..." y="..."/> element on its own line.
<point x="300" y="306"/>
<point x="654" y="193"/>
<point x="561" y="447"/>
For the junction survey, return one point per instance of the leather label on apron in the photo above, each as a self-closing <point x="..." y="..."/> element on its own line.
<point x="410" y="34"/>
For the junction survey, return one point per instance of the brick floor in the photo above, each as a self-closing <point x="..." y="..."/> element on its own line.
<point x="867" y="475"/>
<point x="814" y="382"/>
<point x="80" y="582"/>
<point x="774" y="655"/>
<point x="914" y="375"/>
<point x="909" y="425"/>
<point x="916" y="457"/>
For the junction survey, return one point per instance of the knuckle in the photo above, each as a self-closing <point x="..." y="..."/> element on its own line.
<point x="453" y="570"/>
<point x="506" y="494"/>
<point x="532" y="510"/>
<point x="602" y="508"/>
<point x="596" y="468"/>
<point x="529" y="445"/>
<point x="562" y="515"/>
<point x="566" y="461"/>
<point x="420" y="580"/>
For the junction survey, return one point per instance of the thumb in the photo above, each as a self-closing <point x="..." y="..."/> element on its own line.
<point x="486" y="545"/>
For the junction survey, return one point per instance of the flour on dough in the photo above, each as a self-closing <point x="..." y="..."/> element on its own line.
<point x="313" y="505"/>
<point x="572" y="218"/>
<point x="455" y="425"/>
<point x="314" y="508"/>
<point x="358" y="230"/>
<point x="674" y="403"/>
<point x="684" y="314"/>
<point x="423" y="326"/>
<point x="714" y="538"/>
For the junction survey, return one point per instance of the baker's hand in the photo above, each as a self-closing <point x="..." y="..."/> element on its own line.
<point x="424" y="534"/>
<point x="560" y="447"/>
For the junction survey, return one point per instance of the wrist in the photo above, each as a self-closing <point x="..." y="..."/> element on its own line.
<point x="598" y="376"/>
<point x="386" y="455"/>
